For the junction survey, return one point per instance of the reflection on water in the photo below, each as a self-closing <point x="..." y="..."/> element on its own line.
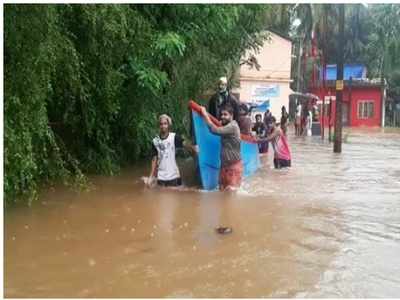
<point x="328" y="227"/>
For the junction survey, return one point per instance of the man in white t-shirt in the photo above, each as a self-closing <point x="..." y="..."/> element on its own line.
<point x="309" y="123"/>
<point x="163" y="164"/>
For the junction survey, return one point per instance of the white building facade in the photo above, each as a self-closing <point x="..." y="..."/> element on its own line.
<point x="268" y="87"/>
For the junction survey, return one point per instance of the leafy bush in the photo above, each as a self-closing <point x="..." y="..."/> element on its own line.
<point x="84" y="84"/>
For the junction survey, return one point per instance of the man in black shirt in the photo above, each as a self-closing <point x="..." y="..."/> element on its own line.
<point x="259" y="128"/>
<point x="221" y="99"/>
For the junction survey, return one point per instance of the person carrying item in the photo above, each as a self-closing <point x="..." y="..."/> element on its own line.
<point x="282" y="156"/>
<point x="231" y="171"/>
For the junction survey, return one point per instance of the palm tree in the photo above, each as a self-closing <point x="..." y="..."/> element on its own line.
<point x="319" y="29"/>
<point x="278" y="18"/>
<point x="313" y="31"/>
<point x="385" y="18"/>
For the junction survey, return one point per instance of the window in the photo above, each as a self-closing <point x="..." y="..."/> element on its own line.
<point x="365" y="109"/>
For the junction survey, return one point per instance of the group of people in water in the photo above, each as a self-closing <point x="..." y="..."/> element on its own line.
<point x="304" y="119"/>
<point x="263" y="125"/>
<point x="235" y="120"/>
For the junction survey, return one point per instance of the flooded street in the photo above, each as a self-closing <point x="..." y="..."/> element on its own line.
<point x="327" y="227"/>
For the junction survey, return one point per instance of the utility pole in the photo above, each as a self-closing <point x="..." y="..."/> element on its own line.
<point x="323" y="113"/>
<point x="299" y="63"/>
<point x="337" y="146"/>
<point x="330" y="114"/>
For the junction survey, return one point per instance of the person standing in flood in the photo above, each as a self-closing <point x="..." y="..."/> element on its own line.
<point x="297" y="122"/>
<point x="259" y="128"/>
<point x="244" y="120"/>
<point x="221" y="98"/>
<point x="282" y="156"/>
<point x="309" y="121"/>
<point x="231" y="161"/>
<point x="284" y="120"/>
<point x="163" y="164"/>
<point x="267" y="120"/>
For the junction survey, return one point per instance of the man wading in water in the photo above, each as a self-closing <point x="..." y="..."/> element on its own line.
<point x="231" y="163"/>
<point x="282" y="156"/>
<point x="163" y="164"/>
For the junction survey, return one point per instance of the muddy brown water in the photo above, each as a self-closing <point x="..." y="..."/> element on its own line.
<point x="328" y="227"/>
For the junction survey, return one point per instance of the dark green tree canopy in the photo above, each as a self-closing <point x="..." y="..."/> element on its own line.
<point x="84" y="84"/>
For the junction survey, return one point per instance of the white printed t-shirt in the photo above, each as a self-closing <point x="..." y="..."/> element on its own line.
<point x="165" y="150"/>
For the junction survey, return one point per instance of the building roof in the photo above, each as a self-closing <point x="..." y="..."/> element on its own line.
<point x="356" y="83"/>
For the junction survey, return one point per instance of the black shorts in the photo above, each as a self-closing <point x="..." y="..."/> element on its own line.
<point x="263" y="147"/>
<point x="281" y="163"/>
<point x="173" y="182"/>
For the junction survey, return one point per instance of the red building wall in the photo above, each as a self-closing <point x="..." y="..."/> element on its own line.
<point x="355" y="96"/>
<point x="360" y="94"/>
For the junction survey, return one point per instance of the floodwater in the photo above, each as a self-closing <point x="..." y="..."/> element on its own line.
<point x="327" y="227"/>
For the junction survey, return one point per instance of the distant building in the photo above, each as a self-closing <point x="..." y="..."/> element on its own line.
<point x="268" y="87"/>
<point x="355" y="71"/>
<point x="362" y="98"/>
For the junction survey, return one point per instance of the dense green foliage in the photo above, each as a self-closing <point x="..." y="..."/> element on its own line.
<point x="84" y="84"/>
<point x="384" y="40"/>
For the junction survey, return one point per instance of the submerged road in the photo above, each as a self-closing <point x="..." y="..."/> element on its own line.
<point x="327" y="227"/>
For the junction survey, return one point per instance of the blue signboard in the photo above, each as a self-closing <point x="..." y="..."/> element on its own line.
<point x="356" y="71"/>
<point x="264" y="92"/>
<point x="260" y="107"/>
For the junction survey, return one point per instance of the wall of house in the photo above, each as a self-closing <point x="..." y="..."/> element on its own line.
<point x="274" y="59"/>
<point x="357" y="95"/>
<point x="276" y="103"/>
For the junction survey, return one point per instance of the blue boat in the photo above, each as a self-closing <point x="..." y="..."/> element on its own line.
<point x="209" y="161"/>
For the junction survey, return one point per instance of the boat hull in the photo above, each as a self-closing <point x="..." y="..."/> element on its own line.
<point x="209" y="162"/>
